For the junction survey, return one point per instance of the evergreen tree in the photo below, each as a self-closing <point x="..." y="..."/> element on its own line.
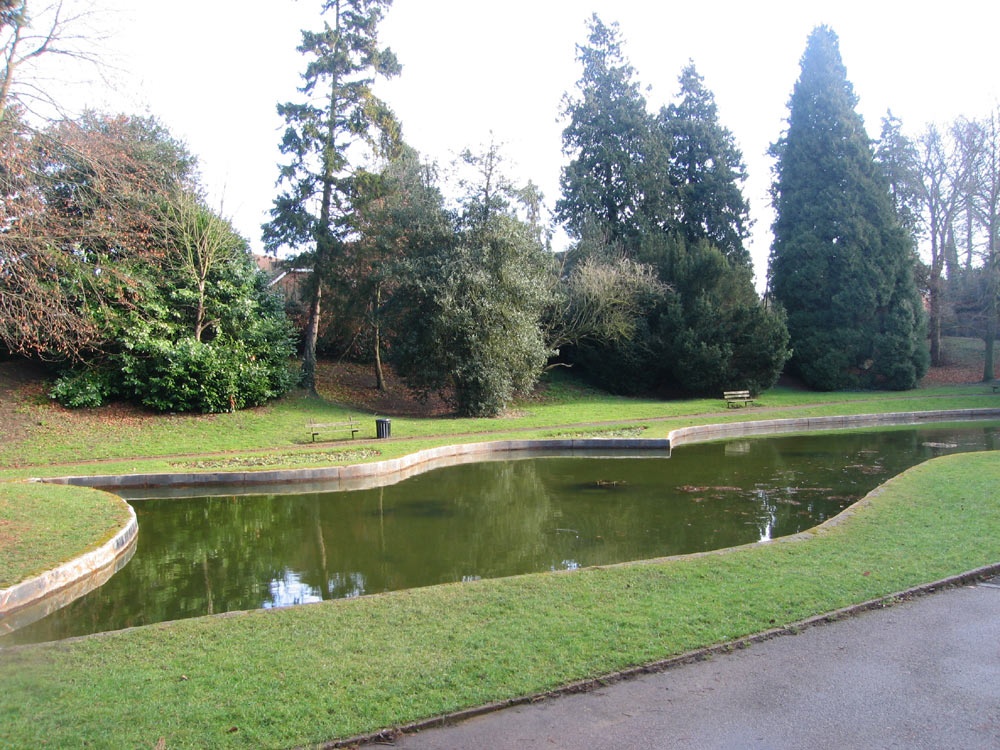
<point x="841" y="263"/>
<point x="898" y="157"/>
<point x="615" y="176"/>
<point x="665" y="192"/>
<point x="339" y="113"/>
<point x="470" y="307"/>
<point x="707" y="169"/>
<point x="723" y="338"/>
<point x="399" y="214"/>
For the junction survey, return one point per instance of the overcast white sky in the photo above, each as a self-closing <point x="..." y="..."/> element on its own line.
<point x="213" y="71"/>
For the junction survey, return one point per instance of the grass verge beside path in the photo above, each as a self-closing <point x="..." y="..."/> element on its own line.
<point x="315" y="673"/>
<point x="43" y="526"/>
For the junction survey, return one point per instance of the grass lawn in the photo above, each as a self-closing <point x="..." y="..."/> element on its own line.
<point x="43" y="526"/>
<point x="311" y="674"/>
<point x="61" y="442"/>
<point x="292" y="677"/>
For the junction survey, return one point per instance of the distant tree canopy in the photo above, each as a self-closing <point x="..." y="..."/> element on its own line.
<point x="842" y="264"/>
<point x="664" y="191"/>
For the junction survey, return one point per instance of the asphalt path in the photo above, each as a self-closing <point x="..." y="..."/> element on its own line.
<point x="924" y="673"/>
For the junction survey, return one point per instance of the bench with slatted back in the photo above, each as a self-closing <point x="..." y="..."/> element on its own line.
<point x="736" y="398"/>
<point x="352" y="425"/>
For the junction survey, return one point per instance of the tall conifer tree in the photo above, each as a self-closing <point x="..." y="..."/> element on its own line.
<point x="614" y="179"/>
<point x="339" y="110"/>
<point x="707" y="169"/>
<point x="841" y="263"/>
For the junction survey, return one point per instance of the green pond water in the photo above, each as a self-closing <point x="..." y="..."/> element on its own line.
<point x="200" y="556"/>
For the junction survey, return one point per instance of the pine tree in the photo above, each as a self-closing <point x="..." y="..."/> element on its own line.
<point x="841" y="263"/>
<point x="339" y="111"/>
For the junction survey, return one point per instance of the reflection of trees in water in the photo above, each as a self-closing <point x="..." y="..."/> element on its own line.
<point x="200" y="555"/>
<point x="194" y="556"/>
<point x="474" y="520"/>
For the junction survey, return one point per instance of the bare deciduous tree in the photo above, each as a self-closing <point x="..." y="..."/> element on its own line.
<point x="942" y="178"/>
<point x="197" y="242"/>
<point x="982" y="143"/>
<point x="600" y="300"/>
<point x="76" y="215"/>
<point x="33" y="32"/>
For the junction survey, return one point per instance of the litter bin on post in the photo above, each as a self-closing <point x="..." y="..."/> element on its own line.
<point x="383" y="428"/>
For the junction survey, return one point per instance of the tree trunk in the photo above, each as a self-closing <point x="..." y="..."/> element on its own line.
<point x="379" y="375"/>
<point x="992" y="270"/>
<point x="988" y="373"/>
<point x="992" y="291"/>
<point x="934" y="289"/>
<point x="9" y="63"/>
<point x="952" y="267"/>
<point x="312" y="336"/>
<point x="935" y="317"/>
<point x="324" y="242"/>
<point x="199" y="323"/>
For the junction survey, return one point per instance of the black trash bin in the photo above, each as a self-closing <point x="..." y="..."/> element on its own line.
<point x="383" y="428"/>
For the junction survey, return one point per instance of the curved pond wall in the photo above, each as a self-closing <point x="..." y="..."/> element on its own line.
<point x="31" y="600"/>
<point x="705" y="433"/>
<point x="378" y="473"/>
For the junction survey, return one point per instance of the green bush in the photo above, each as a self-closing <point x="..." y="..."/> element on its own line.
<point x="242" y="359"/>
<point x="82" y="388"/>
<point x="192" y="376"/>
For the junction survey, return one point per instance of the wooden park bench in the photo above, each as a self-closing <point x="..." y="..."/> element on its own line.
<point x="735" y="398"/>
<point x="352" y="425"/>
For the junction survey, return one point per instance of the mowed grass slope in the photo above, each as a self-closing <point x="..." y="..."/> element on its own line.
<point x="43" y="526"/>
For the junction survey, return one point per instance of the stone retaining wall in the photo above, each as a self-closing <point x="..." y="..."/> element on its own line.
<point x="705" y="433"/>
<point x="358" y="476"/>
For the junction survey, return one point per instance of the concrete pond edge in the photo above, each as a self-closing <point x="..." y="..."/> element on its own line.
<point x="36" y="597"/>
<point x="390" y="471"/>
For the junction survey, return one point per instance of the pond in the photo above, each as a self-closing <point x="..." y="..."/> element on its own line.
<point x="200" y="556"/>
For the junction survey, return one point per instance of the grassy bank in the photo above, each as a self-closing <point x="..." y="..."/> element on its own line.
<point x="310" y="674"/>
<point x="61" y="442"/>
<point x="314" y="673"/>
<point x="43" y="526"/>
